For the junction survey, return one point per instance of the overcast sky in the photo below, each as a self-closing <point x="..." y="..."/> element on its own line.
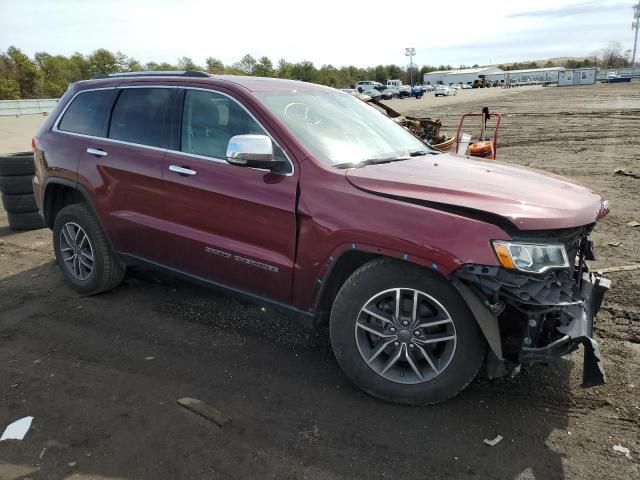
<point x="342" y="32"/>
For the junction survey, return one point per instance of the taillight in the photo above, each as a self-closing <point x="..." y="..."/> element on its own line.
<point x="34" y="144"/>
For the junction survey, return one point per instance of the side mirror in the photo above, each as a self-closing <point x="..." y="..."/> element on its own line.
<point x="252" y="151"/>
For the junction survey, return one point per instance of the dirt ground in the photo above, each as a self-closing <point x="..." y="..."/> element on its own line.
<point x="101" y="375"/>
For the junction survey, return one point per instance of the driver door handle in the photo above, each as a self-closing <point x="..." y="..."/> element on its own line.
<point x="181" y="170"/>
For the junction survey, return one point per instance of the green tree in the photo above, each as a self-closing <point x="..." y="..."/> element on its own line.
<point x="304" y="71"/>
<point x="214" y="65"/>
<point x="80" y="68"/>
<point x="54" y="79"/>
<point x="185" y="63"/>
<point x="23" y="71"/>
<point x="127" y="64"/>
<point x="395" y="72"/>
<point x="264" y="67"/>
<point x="102" y="61"/>
<point x="380" y="74"/>
<point x="9" y="89"/>
<point x="245" y="65"/>
<point x="331" y="76"/>
<point x="284" y="69"/>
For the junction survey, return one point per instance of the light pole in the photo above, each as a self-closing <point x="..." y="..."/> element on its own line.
<point x="410" y="52"/>
<point x="635" y="25"/>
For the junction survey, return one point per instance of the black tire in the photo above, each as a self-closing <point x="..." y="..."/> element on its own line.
<point x="12" y="164"/>
<point x="384" y="274"/>
<point x="20" y="203"/>
<point x="107" y="272"/>
<point x="16" y="184"/>
<point x="25" y="221"/>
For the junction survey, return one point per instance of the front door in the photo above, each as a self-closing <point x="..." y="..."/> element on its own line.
<point x="232" y="225"/>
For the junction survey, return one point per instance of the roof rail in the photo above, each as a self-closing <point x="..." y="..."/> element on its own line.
<point x="166" y="73"/>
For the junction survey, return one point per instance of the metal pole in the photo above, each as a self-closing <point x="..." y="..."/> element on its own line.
<point x="635" y="25"/>
<point x="635" y="43"/>
<point x="410" y="52"/>
<point x="411" y="66"/>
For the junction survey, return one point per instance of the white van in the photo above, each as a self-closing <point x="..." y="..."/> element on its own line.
<point x="368" y="85"/>
<point x="394" y="83"/>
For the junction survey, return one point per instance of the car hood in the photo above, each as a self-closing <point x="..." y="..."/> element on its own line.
<point x="529" y="199"/>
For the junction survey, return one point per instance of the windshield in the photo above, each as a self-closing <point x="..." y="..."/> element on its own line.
<point x="341" y="130"/>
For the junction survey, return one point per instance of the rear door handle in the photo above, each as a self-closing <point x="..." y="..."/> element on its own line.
<point x="182" y="170"/>
<point x="96" y="153"/>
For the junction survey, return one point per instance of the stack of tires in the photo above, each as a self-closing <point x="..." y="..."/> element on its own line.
<point x="16" y="172"/>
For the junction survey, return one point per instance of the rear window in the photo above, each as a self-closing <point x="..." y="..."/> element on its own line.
<point x="88" y="113"/>
<point x="139" y="116"/>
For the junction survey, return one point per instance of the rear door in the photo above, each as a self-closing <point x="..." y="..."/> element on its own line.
<point x="124" y="170"/>
<point x="228" y="224"/>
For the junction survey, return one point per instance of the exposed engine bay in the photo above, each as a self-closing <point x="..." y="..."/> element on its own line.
<point x="541" y="316"/>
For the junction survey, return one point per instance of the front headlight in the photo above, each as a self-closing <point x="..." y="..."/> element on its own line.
<point x="531" y="257"/>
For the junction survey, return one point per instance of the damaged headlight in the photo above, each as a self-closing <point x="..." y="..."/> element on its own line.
<point x="531" y="257"/>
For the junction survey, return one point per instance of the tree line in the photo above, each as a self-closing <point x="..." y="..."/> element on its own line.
<point x="48" y="76"/>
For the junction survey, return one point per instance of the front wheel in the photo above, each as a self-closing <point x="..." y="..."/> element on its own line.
<point x="403" y="334"/>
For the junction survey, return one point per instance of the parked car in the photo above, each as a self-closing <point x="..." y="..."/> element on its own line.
<point x="404" y="91"/>
<point x="443" y="91"/>
<point x="465" y="86"/>
<point x="304" y="198"/>
<point x="428" y="88"/>
<point x="417" y="91"/>
<point x="389" y="93"/>
<point x="373" y="93"/>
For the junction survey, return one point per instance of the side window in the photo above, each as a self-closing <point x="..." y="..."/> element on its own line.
<point x="89" y="113"/>
<point x="139" y="116"/>
<point x="209" y="120"/>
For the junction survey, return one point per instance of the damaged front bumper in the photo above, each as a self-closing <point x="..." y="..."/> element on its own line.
<point x="529" y="318"/>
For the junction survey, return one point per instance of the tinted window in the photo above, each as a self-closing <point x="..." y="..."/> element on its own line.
<point x="139" y="116"/>
<point x="209" y="120"/>
<point x="89" y="113"/>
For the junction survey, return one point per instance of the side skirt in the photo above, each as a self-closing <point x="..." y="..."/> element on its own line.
<point x="308" y="320"/>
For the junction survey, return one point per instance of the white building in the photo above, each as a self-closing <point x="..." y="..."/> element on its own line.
<point x="532" y="75"/>
<point x="453" y="77"/>
<point x="578" y="76"/>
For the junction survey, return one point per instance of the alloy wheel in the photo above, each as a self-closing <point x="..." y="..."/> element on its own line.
<point x="76" y="251"/>
<point x="405" y="335"/>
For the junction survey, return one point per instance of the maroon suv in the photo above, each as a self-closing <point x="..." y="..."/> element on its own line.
<point x="423" y="265"/>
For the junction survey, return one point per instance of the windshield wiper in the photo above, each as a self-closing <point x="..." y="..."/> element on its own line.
<point x="370" y="161"/>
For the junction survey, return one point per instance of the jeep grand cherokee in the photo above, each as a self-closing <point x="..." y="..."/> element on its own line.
<point x="423" y="265"/>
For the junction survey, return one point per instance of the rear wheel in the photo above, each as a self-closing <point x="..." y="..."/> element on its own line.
<point x="405" y="335"/>
<point x="83" y="252"/>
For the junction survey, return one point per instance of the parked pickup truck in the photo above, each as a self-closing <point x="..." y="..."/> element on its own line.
<point x="422" y="266"/>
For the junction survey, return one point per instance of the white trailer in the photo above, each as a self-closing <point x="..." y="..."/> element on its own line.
<point x="578" y="76"/>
